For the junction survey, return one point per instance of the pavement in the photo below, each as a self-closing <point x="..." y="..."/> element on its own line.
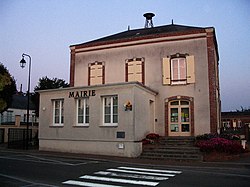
<point x="241" y="160"/>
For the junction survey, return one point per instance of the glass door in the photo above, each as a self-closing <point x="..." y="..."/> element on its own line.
<point x="179" y="120"/>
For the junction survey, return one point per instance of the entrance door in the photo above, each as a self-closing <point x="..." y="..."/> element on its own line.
<point x="179" y="118"/>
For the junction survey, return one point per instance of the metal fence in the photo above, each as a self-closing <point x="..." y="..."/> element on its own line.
<point x="1" y="136"/>
<point x="243" y="131"/>
<point x="18" y="138"/>
<point x="6" y="119"/>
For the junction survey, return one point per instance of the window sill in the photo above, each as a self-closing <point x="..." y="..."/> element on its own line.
<point x="81" y="125"/>
<point x="57" y="126"/>
<point x="109" y="125"/>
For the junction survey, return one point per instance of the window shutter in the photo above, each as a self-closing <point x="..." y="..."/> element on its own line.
<point x="135" y="71"/>
<point x="131" y="71"/>
<point x="138" y="71"/>
<point x="96" y="74"/>
<point x="166" y="71"/>
<point x="190" y="69"/>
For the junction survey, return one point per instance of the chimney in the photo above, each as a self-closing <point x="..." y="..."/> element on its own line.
<point x="149" y="21"/>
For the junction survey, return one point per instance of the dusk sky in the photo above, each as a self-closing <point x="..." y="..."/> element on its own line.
<point x="45" y="29"/>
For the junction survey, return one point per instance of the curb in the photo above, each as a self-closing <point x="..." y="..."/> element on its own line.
<point x="103" y="158"/>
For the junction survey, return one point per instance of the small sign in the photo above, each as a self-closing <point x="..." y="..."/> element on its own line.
<point x="121" y="146"/>
<point x="120" y="134"/>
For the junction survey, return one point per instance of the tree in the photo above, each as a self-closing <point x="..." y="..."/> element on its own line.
<point x="7" y="88"/>
<point x="46" y="83"/>
<point x="243" y="109"/>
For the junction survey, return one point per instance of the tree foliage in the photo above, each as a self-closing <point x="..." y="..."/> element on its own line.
<point x="245" y="110"/>
<point x="7" y="88"/>
<point x="46" y="83"/>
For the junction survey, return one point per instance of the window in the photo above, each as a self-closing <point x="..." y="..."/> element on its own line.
<point x="96" y="73"/>
<point x="110" y="110"/>
<point x="178" y="69"/>
<point x="10" y="117"/>
<point x="58" y="112"/>
<point x="226" y="124"/>
<point x="135" y="70"/>
<point x="82" y="106"/>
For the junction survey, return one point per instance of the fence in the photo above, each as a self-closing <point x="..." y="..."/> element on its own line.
<point x="19" y="139"/>
<point x="11" y="120"/>
<point x="7" y="120"/>
<point x="243" y="132"/>
<point x="1" y="136"/>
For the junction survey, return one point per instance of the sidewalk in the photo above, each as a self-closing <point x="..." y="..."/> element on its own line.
<point x="242" y="160"/>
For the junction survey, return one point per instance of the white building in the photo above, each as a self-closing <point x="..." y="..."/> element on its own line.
<point x="160" y="79"/>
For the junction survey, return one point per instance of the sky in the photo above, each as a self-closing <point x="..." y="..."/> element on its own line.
<point x="44" y="29"/>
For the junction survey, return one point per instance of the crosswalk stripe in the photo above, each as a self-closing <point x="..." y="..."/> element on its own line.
<point x="106" y="173"/>
<point x="88" y="184"/>
<point x="138" y="182"/>
<point x="151" y="170"/>
<point x="142" y="173"/>
<point x="125" y="175"/>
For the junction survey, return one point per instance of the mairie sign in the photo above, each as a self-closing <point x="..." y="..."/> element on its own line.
<point x="85" y="93"/>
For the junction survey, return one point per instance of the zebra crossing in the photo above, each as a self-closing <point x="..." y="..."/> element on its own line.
<point x="120" y="176"/>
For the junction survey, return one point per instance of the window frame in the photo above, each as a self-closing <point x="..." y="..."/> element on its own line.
<point x="167" y="70"/>
<point x="61" y="112"/>
<point x="85" y="104"/>
<point x="179" y="79"/>
<point x="179" y="120"/>
<point x="112" y="123"/>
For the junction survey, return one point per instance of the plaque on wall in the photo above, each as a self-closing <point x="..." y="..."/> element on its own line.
<point x="120" y="134"/>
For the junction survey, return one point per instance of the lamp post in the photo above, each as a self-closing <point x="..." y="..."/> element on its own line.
<point x="22" y="64"/>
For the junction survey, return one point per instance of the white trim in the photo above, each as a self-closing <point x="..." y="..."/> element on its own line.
<point x="140" y="42"/>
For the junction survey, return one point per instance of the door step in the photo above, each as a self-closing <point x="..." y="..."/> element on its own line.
<point x="172" y="148"/>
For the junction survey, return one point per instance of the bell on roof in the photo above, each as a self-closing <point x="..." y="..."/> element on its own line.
<point x="149" y="21"/>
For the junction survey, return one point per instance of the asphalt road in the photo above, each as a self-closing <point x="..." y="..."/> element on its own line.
<point x="29" y="169"/>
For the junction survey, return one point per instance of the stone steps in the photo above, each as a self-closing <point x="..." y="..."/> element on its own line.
<point x="172" y="148"/>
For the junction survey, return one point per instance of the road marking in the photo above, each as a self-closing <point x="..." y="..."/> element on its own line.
<point x="87" y="184"/>
<point x="107" y="179"/>
<point x="29" y="183"/>
<point x="151" y="170"/>
<point x="41" y="159"/>
<point x="125" y="175"/>
<point x="37" y="159"/>
<point x="142" y="173"/>
<point x="130" y="176"/>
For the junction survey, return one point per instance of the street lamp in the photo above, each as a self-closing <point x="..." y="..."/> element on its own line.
<point x="22" y="64"/>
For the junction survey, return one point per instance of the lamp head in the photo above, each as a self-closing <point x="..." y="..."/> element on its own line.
<point x="22" y="63"/>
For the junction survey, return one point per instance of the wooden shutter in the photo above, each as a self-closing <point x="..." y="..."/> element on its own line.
<point x="166" y="71"/>
<point x="96" y="74"/>
<point x="138" y="71"/>
<point x="190" y="69"/>
<point x="135" y="71"/>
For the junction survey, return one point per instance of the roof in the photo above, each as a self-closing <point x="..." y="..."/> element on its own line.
<point x="20" y="102"/>
<point x="153" y="32"/>
<point x="236" y="113"/>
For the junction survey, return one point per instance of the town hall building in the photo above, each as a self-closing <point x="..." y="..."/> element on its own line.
<point x="162" y="80"/>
